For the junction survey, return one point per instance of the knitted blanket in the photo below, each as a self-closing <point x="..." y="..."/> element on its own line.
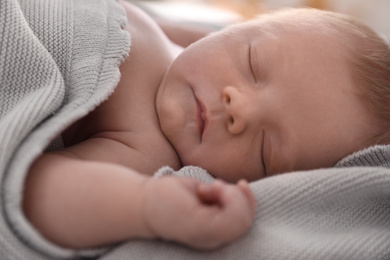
<point x="336" y="213"/>
<point x="59" y="59"/>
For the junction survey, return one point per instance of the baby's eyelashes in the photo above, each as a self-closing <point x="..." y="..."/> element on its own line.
<point x="251" y="58"/>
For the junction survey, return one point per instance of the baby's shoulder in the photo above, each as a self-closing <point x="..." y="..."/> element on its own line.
<point x="124" y="129"/>
<point x="146" y="35"/>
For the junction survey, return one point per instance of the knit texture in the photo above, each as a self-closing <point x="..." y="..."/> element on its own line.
<point x="59" y="59"/>
<point x="335" y="213"/>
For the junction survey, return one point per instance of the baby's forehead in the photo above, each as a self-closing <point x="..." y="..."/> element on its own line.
<point x="298" y="20"/>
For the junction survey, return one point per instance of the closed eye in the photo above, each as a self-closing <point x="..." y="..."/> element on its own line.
<point x="262" y="154"/>
<point x="250" y="58"/>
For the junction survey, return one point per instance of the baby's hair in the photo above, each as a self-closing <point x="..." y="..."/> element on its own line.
<point x="370" y="67"/>
<point x="368" y="55"/>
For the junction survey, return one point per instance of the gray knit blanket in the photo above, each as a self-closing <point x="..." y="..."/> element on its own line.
<point x="59" y="59"/>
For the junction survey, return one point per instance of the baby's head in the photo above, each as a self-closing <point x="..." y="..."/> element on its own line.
<point x="367" y="54"/>
<point x="282" y="93"/>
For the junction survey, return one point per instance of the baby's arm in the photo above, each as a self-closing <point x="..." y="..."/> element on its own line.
<point x="77" y="204"/>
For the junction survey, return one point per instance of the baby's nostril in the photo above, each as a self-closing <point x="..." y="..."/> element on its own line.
<point x="231" y="120"/>
<point x="228" y="99"/>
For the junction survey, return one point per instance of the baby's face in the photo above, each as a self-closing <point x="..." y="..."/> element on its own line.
<point x="248" y="104"/>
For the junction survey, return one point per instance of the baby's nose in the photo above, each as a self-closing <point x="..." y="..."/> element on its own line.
<point x="234" y="102"/>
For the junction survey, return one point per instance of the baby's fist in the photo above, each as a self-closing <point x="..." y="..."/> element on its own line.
<point x="203" y="216"/>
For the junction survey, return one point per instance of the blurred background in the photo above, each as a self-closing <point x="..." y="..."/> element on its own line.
<point x="218" y="13"/>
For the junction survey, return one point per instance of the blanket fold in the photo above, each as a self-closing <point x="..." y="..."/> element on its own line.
<point x="58" y="60"/>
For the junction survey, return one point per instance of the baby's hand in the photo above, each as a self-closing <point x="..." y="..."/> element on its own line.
<point x="203" y="216"/>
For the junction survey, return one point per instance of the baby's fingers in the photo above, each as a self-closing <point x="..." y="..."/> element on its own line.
<point x="210" y="193"/>
<point x="243" y="185"/>
<point x="239" y="205"/>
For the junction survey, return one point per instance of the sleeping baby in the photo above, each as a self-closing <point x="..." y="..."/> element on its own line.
<point x="292" y="90"/>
